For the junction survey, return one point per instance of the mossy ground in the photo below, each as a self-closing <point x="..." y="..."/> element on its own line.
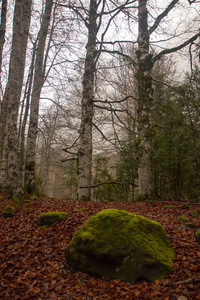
<point x="116" y="243"/>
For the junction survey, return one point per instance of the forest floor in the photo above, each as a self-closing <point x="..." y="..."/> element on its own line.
<point x="32" y="265"/>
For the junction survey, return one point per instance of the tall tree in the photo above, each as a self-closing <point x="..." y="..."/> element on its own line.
<point x="11" y="100"/>
<point x="93" y="22"/>
<point x="39" y="75"/>
<point x="85" y="149"/>
<point x="145" y="61"/>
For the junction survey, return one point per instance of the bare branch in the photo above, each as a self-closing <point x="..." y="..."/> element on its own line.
<point x="99" y="130"/>
<point x="112" y="102"/>
<point x="98" y="184"/>
<point x="174" y="49"/>
<point x="162" y="15"/>
<point x="129" y="58"/>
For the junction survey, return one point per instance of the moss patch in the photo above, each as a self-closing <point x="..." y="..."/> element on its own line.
<point x="49" y="218"/>
<point x="8" y="211"/>
<point x="182" y="219"/>
<point x="189" y="225"/>
<point x="118" y="244"/>
<point x="167" y="206"/>
<point x="83" y="209"/>
<point x="197" y="235"/>
<point x="194" y="213"/>
<point x="185" y="206"/>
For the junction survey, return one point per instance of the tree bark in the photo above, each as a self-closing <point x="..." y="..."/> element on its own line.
<point x="30" y="179"/>
<point x="10" y="105"/>
<point x="85" y="148"/>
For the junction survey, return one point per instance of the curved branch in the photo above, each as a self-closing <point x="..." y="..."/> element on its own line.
<point x="162" y="15"/>
<point x="174" y="49"/>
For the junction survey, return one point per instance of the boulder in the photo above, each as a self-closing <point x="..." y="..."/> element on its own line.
<point x="8" y="211"/>
<point x="197" y="234"/>
<point x="49" y="218"/>
<point x="116" y="244"/>
<point x="185" y="206"/>
<point x="194" y="213"/>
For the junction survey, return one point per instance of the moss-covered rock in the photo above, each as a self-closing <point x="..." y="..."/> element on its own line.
<point x="49" y="218"/>
<point x="189" y="225"/>
<point x="197" y="235"/>
<point x="8" y="211"/>
<point x="167" y="206"/>
<point x="194" y="213"/>
<point x="182" y="219"/>
<point x="185" y="206"/>
<point x="117" y="244"/>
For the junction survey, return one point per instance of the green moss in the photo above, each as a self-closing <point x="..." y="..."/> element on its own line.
<point x="115" y="241"/>
<point x="167" y="206"/>
<point x="182" y="219"/>
<point x="49" y="218"/>
<point x="8" y="211"/>
<point x="189" y="225"/>
<point x="44" y="227"/>
<point x="194" y="213"/>
<point x="185" y="206"/>
<point x="197" y="235"/>
<point x="34" y="198"/>
<point x="83" y="209"/>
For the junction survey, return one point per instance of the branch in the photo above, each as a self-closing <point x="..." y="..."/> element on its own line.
<point x="181" y="46"/>
<point x="115" y="42"/>
<point x="75" y="9"/>
<point x="162" y="15"/>
<point x="98" y="184"/>
<point x="69" y="159"/>
<point x="129" y="58"/>
<point x="189" y="280"/>
<point x="117" y="11"/>
<point x="117" y="101"/>
<point x="98" y="129"/>
<point x="111" y="109"/>
<point x="192" y="1"/>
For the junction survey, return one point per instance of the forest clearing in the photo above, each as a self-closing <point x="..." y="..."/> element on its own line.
<point x="33" y="264"/>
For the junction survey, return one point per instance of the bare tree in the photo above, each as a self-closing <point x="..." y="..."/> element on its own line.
<point x="39" y="75"/>
<point x="145" y="61"/>
<point x="92" y="18"/>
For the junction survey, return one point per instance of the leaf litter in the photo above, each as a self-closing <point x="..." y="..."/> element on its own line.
<point x="32" y="264"/>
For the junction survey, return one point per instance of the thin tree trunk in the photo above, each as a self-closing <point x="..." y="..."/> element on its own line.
<point x="10" y="105"/>
<point x="85" y="148"/>
<point x="2" y="29"/>
<point x="145" y="91"/>
<point x="24" y="114"/>
<point x="30" y="180"/>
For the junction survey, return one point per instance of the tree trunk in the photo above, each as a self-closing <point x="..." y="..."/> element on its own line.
<point x="10" y="105"/>
<point x="85" y="148"/>
<point x="30" y="180"/>
<point x="145" y="93"/>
